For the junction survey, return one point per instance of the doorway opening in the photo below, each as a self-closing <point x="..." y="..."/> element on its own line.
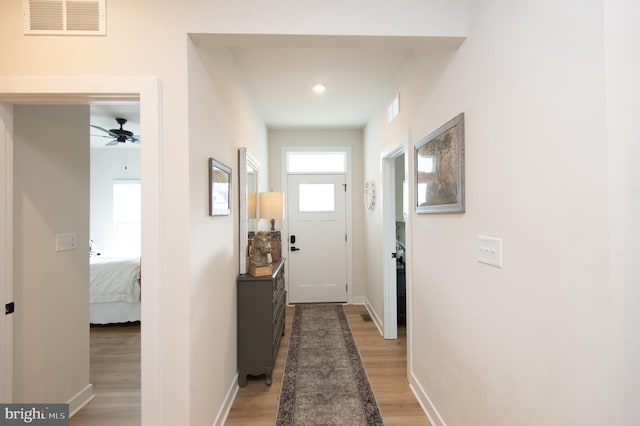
<point x="395" y="219"/>
<point x="69" y="90"/>
<point x="317" y="182"/>
<point x="115" y="223"/>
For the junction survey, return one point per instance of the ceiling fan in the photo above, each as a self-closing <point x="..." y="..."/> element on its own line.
<point x="118" y="135"/>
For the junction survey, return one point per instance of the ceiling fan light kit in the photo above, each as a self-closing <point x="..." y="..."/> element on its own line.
<point x="120" y="135"/>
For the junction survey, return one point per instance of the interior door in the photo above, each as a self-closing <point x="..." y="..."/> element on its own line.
<point x="317" y="238"/>
<point x="6" y="256"/>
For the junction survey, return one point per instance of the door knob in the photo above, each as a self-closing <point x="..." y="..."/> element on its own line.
<point x="294" y="248"/>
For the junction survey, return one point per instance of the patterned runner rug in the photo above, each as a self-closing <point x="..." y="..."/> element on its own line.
<point x="324" y="381"/>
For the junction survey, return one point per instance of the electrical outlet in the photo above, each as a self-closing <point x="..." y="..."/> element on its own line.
<point x="490" y="251"/>
<point x="66" y="241"/>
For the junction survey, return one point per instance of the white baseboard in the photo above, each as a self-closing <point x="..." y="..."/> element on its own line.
<point x="374" y="316"/>
<point x="425" y="402"/>
<point x="357" y="300"/>
<point x="81" y="399"/>
<point x="223" y="413"/>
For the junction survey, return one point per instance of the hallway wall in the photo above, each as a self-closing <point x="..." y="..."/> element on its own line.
<point x="220" y="121"/>
<point x="527" y="344"/>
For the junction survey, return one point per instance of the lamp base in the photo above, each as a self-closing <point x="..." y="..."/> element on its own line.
<point x="276" y="246"/>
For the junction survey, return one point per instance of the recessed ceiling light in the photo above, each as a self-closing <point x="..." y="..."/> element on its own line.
<point x="319" y="87"/>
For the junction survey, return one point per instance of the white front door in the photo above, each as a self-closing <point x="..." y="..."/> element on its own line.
<point x="317" y="238"/>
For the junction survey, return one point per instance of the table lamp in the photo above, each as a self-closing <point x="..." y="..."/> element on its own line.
<point x="271" y="206"/>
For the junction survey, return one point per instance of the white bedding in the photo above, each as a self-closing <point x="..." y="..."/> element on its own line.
<point x="114" y="279"/>
<point x="114" y="312"/>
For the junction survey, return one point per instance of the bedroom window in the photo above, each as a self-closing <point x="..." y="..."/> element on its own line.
<point x="127" y="216"/>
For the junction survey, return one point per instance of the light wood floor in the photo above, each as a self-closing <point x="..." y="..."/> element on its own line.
<point x="115" y="374"/>
<point x="384" y="360"/>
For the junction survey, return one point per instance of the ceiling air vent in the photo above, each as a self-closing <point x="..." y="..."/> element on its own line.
<point x="64" y="17"/>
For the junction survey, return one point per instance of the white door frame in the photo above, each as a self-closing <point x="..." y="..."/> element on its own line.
<point x="349" y="206"/>
<point x="388" y="206"/>
<point x="70" y="90"/>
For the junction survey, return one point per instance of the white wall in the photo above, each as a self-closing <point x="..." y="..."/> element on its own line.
<point x="526" y="344"/>
<point x="51" y="196"/>
<point x="358" y="17"/>
<point x="220" y="121"/>
<point x="106" y="166"/>
<point x="353" y="138"/>
<point x="622" y="32"/>
<point x="380" y="137"/>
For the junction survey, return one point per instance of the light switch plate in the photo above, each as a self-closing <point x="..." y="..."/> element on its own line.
<point x="490" y="251"/>
<point x="65" y="241"/>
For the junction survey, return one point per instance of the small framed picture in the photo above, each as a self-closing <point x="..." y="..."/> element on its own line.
<point x="439" y="169"/>
<point x="219" y="189"/>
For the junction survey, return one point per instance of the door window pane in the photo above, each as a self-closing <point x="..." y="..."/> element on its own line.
<point x="316" y="162"/>
<point x="316" y="197"/>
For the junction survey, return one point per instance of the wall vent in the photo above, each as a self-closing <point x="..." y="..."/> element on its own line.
<point x="64" y="17"/>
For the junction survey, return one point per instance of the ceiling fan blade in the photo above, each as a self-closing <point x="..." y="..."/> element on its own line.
<point x="109" y="132"/>
<point x="99" y="128"/>
<point x="117" y="135"/>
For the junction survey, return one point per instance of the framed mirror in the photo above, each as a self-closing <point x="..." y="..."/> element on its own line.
<point x="439" y="169"/>
<point x="219" y="189"/>
<point x="248" y="170"/>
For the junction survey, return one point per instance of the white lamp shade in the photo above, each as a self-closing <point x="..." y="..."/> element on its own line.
<point x="251" y="205"/>
<point x="272" y="205"/>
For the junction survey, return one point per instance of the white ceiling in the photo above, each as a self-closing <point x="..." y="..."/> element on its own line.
<point x="279" y="71"/>
<point x="280" y="79"/>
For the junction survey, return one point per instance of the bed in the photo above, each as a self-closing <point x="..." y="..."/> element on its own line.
<point x="114" y="289"/>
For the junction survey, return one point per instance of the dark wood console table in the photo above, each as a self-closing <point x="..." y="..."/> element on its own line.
<point x="261" y="314"/>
